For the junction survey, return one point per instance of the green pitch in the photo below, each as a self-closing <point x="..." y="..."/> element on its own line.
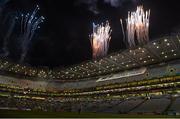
<point x="39" y="114"/>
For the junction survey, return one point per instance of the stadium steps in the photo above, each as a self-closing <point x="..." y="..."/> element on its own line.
<point x="169" y="105"/>
<point x="175" y="106"/>
<point x="110" y="107"/>
<point x="153" y="105"/>
<point x="137" y="106"/>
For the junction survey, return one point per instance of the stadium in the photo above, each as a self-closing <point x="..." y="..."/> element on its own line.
<point x="145" y="82"/>
<point x="139" y="81"/>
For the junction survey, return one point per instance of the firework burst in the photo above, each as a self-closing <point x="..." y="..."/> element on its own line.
<point x="29" y="24"/>
<point x="137" y="26"/>
<point x="100" y="39"/>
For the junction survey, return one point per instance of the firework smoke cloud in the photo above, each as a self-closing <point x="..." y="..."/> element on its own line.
<point x="93" y="7"/>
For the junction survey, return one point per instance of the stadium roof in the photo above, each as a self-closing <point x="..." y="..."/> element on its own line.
<point x="157" y="51"/>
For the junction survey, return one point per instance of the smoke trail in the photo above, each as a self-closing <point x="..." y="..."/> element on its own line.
<point x="7" y="36"/>
<point x="3" y="2"/>
<point x="122" y="28"/>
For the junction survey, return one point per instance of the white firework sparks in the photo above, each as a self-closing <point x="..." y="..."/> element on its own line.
<point x="100" y="39"/>
<point x="29" y="25"/>
<point x="138" y="25"/>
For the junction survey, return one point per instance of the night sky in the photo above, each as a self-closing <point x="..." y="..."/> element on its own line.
<point x="64" y="36"/>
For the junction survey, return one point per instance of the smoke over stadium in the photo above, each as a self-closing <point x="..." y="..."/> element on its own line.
<point x="93" y="4"/>
<point x="89" y="58"/>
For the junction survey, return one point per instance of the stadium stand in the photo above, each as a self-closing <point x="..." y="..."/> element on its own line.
<point x="143" y="80"/>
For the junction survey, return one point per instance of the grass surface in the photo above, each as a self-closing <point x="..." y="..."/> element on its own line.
<point x="38" y="114"/>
